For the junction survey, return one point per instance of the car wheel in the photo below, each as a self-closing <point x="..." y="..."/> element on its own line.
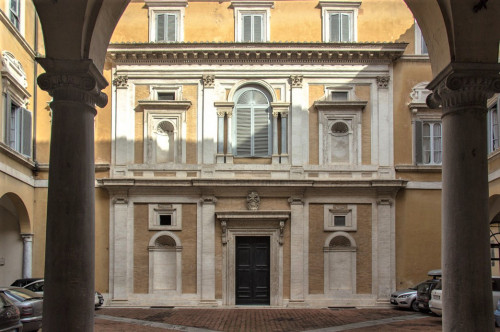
<point x="414" y="305"/>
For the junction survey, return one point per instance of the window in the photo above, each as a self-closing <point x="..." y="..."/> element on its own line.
<point x="339" y="95"/>
<point x="493" y="128"/>
<point x="252" y="27"/>
<point x="340" y="264"/>
<point x="340" y="217"/>
<point x="166" y="27"/>
<point x="251" y="20"/>
<point x="15" y="13"/>
<point x="339" y="20"/>
<point x="16" y="118"/>
<point x="253" y="130"/>
<point x="166" y="20"/>
<point x="165" y="217"/>
<point x="420" y="45"/>
<point x="428" y="142"/>
<point x="166" y="95"/>
<point x="165" y="264"/>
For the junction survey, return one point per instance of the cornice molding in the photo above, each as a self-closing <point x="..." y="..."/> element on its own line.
<point x="264" y="53"/>
<point x="322" y="105"/>
<point x="183" y="105"/>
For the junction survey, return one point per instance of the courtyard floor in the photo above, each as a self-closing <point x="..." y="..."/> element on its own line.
<point x="263" y="320"/>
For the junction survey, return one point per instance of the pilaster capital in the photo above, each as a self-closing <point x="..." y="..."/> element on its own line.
<point x="208" y="200"/>
<point x="208" y="81"/>
<point x="73" y="80"/>
<point x="463" y="86"/>
<point x="223" y="108"/>
<point x="383" y="82"/>
<point x="120" y="200"/>
<point x="296" y="81"/>
<point x="384" y="201"/>
<point x="296" y="200"/>
<point x="121" y="81"/>
<point x="27" y="237"/>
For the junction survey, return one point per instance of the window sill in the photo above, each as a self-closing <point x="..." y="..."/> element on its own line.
<point x="13" y="154"/>
<point x="418" y="168"/>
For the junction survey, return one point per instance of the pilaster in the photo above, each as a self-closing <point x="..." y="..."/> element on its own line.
<point x="384" y="125"/>
<point x="124" y="123"/>
<point x="208" y="249"/>
<point x="385" y="255"/>
<point x="299" y="119"/>
<point x="209" y="120"/>
<point x="119" y="238"/>
<point x="297" y="266"/>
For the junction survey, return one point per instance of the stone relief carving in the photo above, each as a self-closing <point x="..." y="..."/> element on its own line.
<point x="296" y="81"/>
<point x="208" y="81"/>
<point x="383" y="82"/>
<point x="121" y="81"/>
<point x="253" y="201"/>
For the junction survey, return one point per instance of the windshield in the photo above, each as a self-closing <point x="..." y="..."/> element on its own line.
<point x="21" y="294"/>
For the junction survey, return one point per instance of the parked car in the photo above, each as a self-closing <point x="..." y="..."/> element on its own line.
<point x="436" y="305"/>
<point x="23" y="282"/>
<point x="30" y="306"/>
<point x="406" y="298"/>
<point x="10" y="318"/>
<point x="37" y="287"/>
<point x="497" y="314"/>
<point x="424" y="290"/>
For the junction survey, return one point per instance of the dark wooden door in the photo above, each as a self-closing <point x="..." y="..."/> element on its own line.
<point x="252" y="270"/>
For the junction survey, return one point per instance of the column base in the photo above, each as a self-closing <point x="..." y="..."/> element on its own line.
<point x="209" y="303"/>
<point x="296" y="304"/>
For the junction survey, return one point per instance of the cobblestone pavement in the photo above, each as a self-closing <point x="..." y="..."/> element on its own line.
<point x="263" y="320"/>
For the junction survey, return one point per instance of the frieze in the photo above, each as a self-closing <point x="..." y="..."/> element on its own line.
<point x="266" y="53"/>
<point x="253" y="201"/>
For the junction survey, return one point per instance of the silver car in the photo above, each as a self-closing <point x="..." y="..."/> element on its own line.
<point x="405" y="298"/>
<point x="30" y="306"/>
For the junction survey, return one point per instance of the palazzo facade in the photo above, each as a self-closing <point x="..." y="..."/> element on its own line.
<point x="277" y="153"/>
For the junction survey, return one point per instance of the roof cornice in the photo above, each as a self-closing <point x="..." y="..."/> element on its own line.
<point x="262" y="53"/>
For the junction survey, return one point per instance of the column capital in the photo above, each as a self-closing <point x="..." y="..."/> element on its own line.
<point x="296" y="81"/>
<point x="383" y="82"/>
<point x="208" y="200"/>
<point x="208" y="81"/>
<point x="121" y="81"/>
<point x="296" y="200"/>
<point x="463" y="86"/>
<point x="27" y="237"/>
<point x="73" y="80"/>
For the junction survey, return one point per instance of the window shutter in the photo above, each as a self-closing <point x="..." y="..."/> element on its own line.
<point x="26" y="132"/>
<point x="489" y="128"/>
<point x="160" y="27"/>
<point x="334" y="27"/>
<point x="171" y="27"/>
<point x="243" y="132"/>
<point x="346" y="28"/>
<point x="247" y="28"/>
<point x="13" y="126"/>
<point x="261" y="132"/>
<point x="257" y="26"/>
<point x="418" y="142"/>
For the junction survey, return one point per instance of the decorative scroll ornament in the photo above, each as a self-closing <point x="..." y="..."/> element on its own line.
<point x="383" y="82"/>
<point x="208" y="81"/>
<point x="223" y="225"/>
<point x="253" y="201"/>
<point x="121" y="81"/>
<point x="73" y="81"/>
<point x="282" y="232"/>
<point x="296" y="81"/>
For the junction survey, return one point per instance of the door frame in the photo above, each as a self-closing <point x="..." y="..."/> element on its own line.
<point x="276" y="263"/>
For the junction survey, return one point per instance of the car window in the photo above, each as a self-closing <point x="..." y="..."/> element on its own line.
<point x="423" y="288"/>
<point x="495" y="284"/>
<point x="438" y="285"/>
<point x="36" y="287"/>
<point x="25" y="293"/>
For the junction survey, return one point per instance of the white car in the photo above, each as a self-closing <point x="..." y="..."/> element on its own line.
<point x="436" y="304"/>
<point x="405" y="298"/>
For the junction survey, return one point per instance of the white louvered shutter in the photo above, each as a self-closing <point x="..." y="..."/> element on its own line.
<point x="247" y="28"/>
<point x="346" y="27"/>
<point x="261" y="132"/>
<point x="418" y="142"/>
<point x="26" y="132"/>
<point x="244" y="132"/>
<point x="335" y="27"/>
<point x="257" y="28"/>
<point x="171" y="27"/>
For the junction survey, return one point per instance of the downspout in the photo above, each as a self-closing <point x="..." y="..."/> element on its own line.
<point x="35" y="92"/>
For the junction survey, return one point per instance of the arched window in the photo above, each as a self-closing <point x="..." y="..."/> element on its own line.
<point x="253" y="129"/>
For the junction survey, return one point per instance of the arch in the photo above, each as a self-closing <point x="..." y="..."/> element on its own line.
<point x="261" y="83"/>
<point x="172" y="235"/>
<point x="21" y="212"/>
<point x="344" y="234"/>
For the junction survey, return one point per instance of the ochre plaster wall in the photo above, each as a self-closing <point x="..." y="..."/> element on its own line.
<point x="133" y="26"/>
<point x="407" y="74"/>
<point x="494" y="162"/>
<point x="418" y="235"/>
<point x="217" y="24"/>
<point x="298" y="21"/>
<point x="317" y="238"/>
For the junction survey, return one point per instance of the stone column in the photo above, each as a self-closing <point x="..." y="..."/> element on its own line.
<point x="275" y="155"/>
<point x="224" y="109"/>
<point x="297" y="267"/>
<point x="208" y="250"/>
<point x="75" y="86"/>
<point x="463" y="90"/>
<point x="209" y="149"/>
<point x="27" y="254"/>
